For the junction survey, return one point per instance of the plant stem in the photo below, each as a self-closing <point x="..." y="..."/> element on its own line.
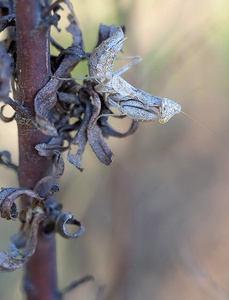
<point x="33" y="72"/>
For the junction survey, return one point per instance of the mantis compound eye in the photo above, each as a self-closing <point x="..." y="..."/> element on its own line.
<point x="167" y="110"/>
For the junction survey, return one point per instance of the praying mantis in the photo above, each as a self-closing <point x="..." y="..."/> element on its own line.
<point x="134" y="103"/>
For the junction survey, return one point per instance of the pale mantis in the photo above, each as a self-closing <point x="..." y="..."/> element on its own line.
<point x="132" y="102"/>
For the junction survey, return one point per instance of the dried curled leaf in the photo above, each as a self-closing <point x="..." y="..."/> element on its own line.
<point x="75" y="31"/>
<point x="8" y="208"/>
<point x="81" y="138"/>
<point x="52" y="150"/>
<point x="99" y="146"/>
<point x="5" y="73"/>
<point x="44" y="186"/>
<point x="109" y="131"/>
<point x="6" y="21"/>
<point x="72" y="111"/>
<point x="70" y="58"/>
<point x="5" y="159"/>
<point x="62" y="66"/>
<point x="67" y="218"/>
<point x="95" y="134"/>
<point x="25" y="239"/>
<point x="4" y="118"/>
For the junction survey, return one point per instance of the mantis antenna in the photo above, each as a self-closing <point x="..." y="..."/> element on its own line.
<point x="198" y="122"/>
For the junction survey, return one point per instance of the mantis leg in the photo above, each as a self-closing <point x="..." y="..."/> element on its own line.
<point x="134" y="110"/>
<point x="134" y="61"/>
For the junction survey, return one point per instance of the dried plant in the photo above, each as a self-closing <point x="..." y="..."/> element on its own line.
<point x="52" y="116"/>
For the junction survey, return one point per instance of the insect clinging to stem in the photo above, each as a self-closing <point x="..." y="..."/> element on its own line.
<point x="130" y="101"/>
<point x="135" y="103"/>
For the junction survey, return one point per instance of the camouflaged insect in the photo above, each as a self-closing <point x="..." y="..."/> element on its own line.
<point x="132" y="102"/>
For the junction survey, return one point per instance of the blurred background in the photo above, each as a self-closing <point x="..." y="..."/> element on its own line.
<point x="157" y="218"/>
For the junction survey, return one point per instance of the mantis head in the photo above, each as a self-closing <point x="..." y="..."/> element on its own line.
<point x="167" y="110"/>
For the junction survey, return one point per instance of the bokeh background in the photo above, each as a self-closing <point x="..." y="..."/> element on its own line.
<point x="156" y="219"/>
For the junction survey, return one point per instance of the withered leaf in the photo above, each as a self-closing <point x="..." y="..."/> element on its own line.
<point x="4" y="118"/>
<point x="5" y="159"/>
<point x="6" y="21"/>
<point x="109" y="131"/>
<point x="5" y="73"/>
<point x="75" y="31"/>
<point x="59" y="164"/>
<point x="95" y="135"/>
<point x="25" y="239"/>
<point x="68" y="97"/>
<point x="8" y="208"/>
<point x="67" y="218"/>
<point x="44" y="186"/>
<point x="98" y="145"/>
<point x="81" y="138"/>
<point x="50" y="150"/>
<point x="45" y="126"/>
<point x="46" y="98"/>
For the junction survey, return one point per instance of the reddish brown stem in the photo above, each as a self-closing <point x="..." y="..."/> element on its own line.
<point x="33" y="71"/>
